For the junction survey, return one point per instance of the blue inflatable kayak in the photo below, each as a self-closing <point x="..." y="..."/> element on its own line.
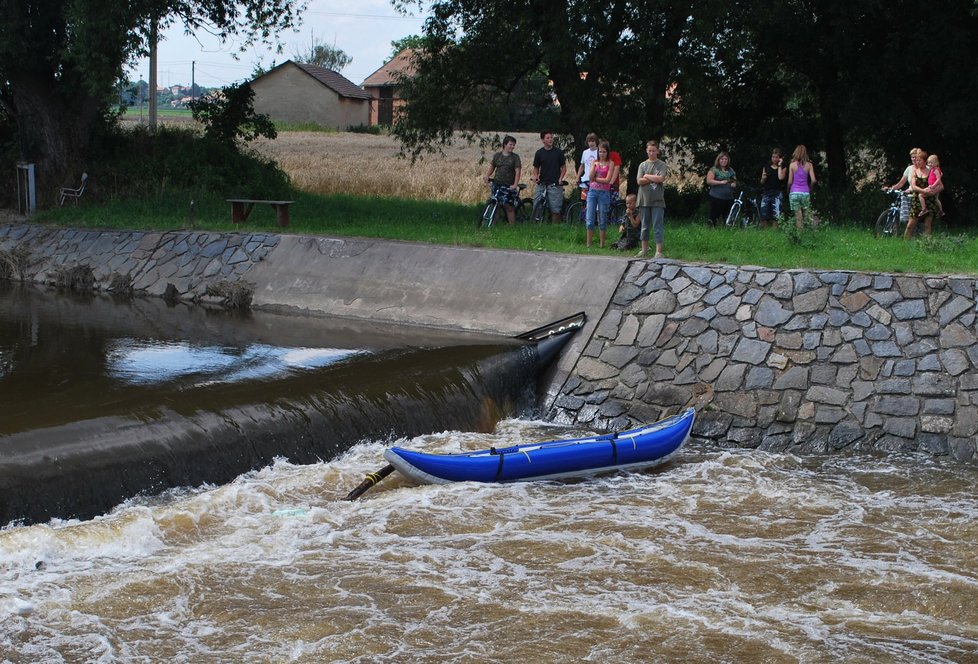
<point x="628" y="450"/>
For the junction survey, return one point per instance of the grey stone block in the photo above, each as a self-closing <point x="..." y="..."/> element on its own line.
<point x="751" y="351"/>
<point x="759" y="378"/>
<point x="898" y="406"/>
<point x="770" y="313"/>
<point x="909" y="309"/>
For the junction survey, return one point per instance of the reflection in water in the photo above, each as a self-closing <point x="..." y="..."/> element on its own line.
<point x="149" y="361"/>
<point x="721" y="556"/>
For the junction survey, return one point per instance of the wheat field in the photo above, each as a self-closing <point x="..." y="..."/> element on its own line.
<point x="368" y="165"/>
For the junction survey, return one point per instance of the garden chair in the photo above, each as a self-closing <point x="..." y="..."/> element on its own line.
<point x="68" y="192"/>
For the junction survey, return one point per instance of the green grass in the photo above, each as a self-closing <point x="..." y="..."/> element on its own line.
<point x="837" y="246"/>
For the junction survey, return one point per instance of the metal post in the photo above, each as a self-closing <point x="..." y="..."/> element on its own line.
<point x="26" y="194"/>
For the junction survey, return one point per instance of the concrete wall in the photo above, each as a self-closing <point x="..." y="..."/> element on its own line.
<point x="291" y="95"/>
<point x="782" y="360"/>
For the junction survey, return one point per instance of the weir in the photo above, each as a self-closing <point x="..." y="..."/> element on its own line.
<point x="105" y="400"/>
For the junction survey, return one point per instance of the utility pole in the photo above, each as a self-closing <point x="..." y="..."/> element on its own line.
<point x="193" y="86"/>
<point x="153" y="36"/>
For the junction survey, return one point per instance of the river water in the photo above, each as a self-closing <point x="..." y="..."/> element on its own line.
<point x="721" y="556"/>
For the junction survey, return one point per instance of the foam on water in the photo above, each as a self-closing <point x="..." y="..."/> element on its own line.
<point x="720" y="555"/>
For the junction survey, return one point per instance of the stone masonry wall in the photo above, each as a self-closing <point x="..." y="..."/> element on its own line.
<point x="808" y="361"/>
<point x="147" y="262"/>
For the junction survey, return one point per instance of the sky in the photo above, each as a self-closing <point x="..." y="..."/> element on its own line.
<point x="363" y="29"/>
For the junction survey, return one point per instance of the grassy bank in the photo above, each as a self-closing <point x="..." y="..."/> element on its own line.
<point x="440" y="222"/>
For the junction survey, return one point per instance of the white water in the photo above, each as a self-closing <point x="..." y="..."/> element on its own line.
<point x="721" y="556"/>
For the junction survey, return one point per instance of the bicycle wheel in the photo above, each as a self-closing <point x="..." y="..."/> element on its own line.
<point x="539" y="210"/>
<point x="733" y="215"/>
<point x="487" y="214"/>
<point x="524" y="210"/>
<point x="887" y="224"/>
<point x="574" y="213"/>
<point x="748" y="217"/>
<point x="616" y="216"/>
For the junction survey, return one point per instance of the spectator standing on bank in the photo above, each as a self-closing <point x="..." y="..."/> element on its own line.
<point x="772" y="185"/>
<point x="587" y="158"/>
<point x="603" y="173"/>
<point x="935" y="185"/>
<point x="722" y="180"/>
<point x="907" y="194"/>
<point x="651" y="177"/>
<point x="801" y="178"/>
<point x="918" y="185"/>
<point x="549" y="168"/>
<point x="503" y="176"/>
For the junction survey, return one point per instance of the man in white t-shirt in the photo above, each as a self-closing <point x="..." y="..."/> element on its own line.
<point x="587" y="157"/>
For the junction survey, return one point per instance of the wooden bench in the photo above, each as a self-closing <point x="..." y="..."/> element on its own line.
<point x="241" y="208"/>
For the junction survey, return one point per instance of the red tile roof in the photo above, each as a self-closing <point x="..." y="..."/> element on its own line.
<point x="399" y="64"/>
<point x="331" y="79"/>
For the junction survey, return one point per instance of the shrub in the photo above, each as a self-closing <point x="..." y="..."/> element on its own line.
<point x="683" y="203"/>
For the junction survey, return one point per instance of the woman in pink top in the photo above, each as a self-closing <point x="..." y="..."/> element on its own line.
<point x="801" y="177"/>
<point x="603" y="173"/>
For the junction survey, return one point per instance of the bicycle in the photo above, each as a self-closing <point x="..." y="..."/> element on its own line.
<point x="495" y="205"/>
<point x="743" y="212"/>
<point x="888" y="223"/>
<point x="576" y="211"/>
<point x="540" y="203"/>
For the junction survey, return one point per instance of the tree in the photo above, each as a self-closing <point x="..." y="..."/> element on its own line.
<point x="61" y="59"/>
<point x="414" y="42"/>
<point x="846" y="78"/>
<point x="323" y="54"/>
<point x="608" y="65"/>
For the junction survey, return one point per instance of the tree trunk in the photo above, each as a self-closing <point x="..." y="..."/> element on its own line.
<point x="54" y="135"/>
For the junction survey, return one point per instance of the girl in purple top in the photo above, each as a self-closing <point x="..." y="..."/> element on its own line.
<point x="801" y="177"/>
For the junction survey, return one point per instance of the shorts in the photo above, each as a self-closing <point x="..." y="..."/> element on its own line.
<point x="554" y="194"/>
<point x="504" y="194"/>
<point x="771" y="205"/>
<point x="799" y="200"/>
<point x="905" y="207"/>
<point x="653" y="218"/>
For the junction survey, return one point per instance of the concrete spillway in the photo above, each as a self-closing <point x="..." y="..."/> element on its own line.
<point x="85" y="425"/>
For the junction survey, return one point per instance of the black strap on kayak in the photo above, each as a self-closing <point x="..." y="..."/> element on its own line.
<point x="614" y="451"/>
<point x="499" y="469"/>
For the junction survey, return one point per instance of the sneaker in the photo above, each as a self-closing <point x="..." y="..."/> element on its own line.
<point x="658" y="254"/>
<point x="641" y="254"/>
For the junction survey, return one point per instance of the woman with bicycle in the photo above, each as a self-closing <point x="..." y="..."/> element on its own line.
<point x="907" y="194"/>
<point x="603" y="173"/>
<point x="722" y="180"/>
<point x="503" y="177"/>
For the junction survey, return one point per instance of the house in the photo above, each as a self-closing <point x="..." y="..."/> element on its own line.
<point x="383" y="87"/>
<point x="299" y="92"/>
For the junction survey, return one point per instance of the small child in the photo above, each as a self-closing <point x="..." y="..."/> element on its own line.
<point x="631" y="228"/>
<point x="934" y="187"/>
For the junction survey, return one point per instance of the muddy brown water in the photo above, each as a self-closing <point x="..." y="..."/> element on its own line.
<point x="723" y="555"/>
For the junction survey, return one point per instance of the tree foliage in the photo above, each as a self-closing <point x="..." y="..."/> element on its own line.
<point x="60" y="61"/>
<point x="607" y="67"/>
<point x="325" y="55"/>
<point x="848" y="79"/>
<point x="230" y="116"/>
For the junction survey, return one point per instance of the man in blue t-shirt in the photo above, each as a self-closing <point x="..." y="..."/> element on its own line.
<point x="549" y="167"/>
